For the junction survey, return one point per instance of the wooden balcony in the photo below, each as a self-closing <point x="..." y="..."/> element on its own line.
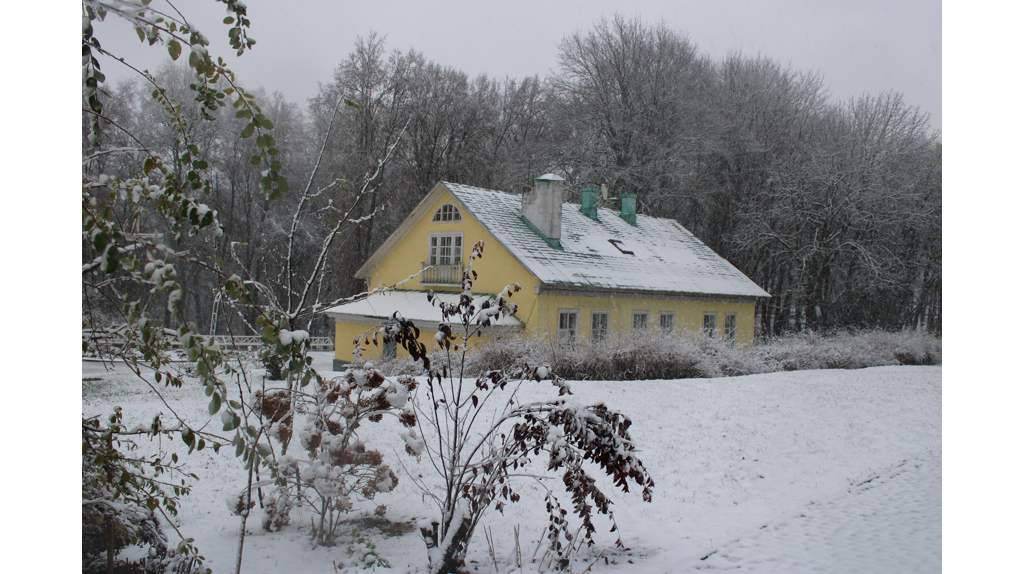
<point x="441" y="274"/>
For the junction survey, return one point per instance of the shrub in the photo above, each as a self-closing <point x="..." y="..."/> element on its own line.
<point x="119" y="496"/>
<point x="656" y="355"/>
<point x="339" y="467"/>
<point x="479" y="437"/>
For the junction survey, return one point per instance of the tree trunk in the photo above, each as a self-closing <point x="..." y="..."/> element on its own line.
<point x="110" y="545"/>
<point x="453" y="555"/>
<point x="245" y="516"/>
<point x="110" y="521"/>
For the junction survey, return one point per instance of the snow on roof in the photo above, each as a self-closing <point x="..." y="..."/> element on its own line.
<point x="548" y="177"/>
<point x="410" y="305"/>
<point x="665" y="256"/>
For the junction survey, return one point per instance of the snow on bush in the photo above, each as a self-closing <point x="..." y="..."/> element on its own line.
<point x="656" y="355"/>
<point x="338" y="468"/>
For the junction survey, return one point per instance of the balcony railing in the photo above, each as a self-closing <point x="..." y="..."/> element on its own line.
<point x="441" y="274"/>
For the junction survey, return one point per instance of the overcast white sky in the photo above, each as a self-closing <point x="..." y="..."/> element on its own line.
<point x="859" y="46"/>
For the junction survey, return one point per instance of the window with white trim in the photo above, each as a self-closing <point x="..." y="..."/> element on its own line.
<point x="599" y="325"/>
<point x="667" y="321"/>
<point x="710" y="323"/>
<point x="568" y="321"/>
<point x="640" y="320"/>
<point x="445" y="249"/>
<point x="730" y="326"/>
<point x="447" y="212"/>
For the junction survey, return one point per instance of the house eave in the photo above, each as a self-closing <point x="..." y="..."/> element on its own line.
<point x="380" y="321"/>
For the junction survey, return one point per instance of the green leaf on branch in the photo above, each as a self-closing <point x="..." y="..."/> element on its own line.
<point x="230" y="420"/>
<point x="100" y="241"/>
<point x="174" y="49"/>
<point x="113" y="257"/>
<point x="214" y="403"/>
<point x="247" y="130"/>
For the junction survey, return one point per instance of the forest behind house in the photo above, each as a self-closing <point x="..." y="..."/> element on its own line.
<point x="833" y="207"/>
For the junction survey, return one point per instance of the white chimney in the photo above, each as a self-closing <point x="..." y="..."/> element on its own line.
<point x="542" y="207"/>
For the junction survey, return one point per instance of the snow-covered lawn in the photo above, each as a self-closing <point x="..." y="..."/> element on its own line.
<point x="808" y="471"/>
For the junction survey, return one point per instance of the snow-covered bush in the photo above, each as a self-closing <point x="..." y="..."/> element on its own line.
<point x="845" y="350"/>
<point x="121" y="495"/>
<point x="656" y="355"/>
<point x="338" y="468"/>
<point x="393" y="367"/>
<point x="482" y="440"/>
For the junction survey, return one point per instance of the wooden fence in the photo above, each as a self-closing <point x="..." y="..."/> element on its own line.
<point x="235" y="343"/>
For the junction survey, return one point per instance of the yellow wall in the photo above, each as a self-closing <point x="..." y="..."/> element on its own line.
<point x="345" y="333"/>
<point x="496" y="269"/>
<point x="689" y="314"/>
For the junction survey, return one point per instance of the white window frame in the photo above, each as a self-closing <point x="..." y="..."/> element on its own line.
<point x="730" y="330"/>
<point x="434" y="247"/>
<point x="568" y="334"/>
<point x="446" y="216"/>
<point x="595" y="335"/>
<point x="645" y="317"/>
<point x="712" y="329"/>
<point x="671" y="315"/>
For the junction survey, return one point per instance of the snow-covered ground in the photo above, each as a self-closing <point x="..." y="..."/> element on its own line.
<point x="809" y="471"/>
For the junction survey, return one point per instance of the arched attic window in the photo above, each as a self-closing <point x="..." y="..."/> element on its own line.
<point x="447" y="212"/>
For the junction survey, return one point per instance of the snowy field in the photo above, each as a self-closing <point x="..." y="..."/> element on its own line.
<point x="808" y="471"/>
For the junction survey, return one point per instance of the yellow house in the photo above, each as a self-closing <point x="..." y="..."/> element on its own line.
<point x="585" y="271"/>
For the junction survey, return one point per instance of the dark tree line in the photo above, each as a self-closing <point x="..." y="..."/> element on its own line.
<point x="833" y="207"/>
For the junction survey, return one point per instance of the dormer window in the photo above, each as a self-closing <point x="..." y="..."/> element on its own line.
<point x="620" y="246"/>
<point x="447" y="212"/>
